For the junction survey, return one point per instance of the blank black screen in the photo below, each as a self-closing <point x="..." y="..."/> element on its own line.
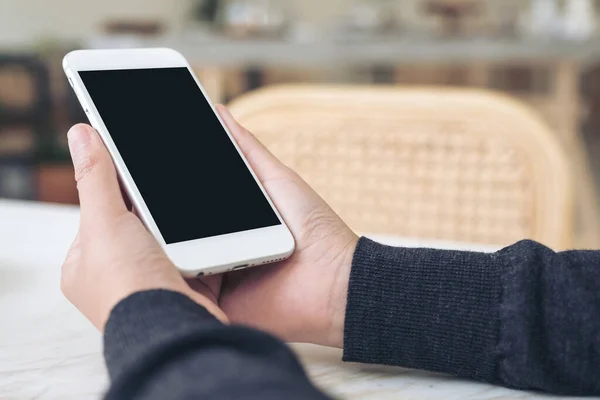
<point x="188" y="171"/>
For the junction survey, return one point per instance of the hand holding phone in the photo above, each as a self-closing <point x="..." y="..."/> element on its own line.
<point x="301" y="299"/>
<point x="113" y="255"/>
<point x="190" y="184"/>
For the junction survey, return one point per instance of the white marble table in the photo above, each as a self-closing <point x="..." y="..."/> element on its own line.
<point x="49" y="351"/>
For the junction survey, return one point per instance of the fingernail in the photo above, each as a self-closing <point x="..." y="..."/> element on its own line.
<point x="79" y="138"/>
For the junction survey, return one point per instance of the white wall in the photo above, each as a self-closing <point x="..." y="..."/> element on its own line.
<point x="27" y="21"/>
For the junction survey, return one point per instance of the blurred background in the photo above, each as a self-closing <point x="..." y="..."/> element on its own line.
<point x="542" y="52"/>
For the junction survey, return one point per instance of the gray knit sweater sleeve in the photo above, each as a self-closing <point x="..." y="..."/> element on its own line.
<point x="524" y="317"/>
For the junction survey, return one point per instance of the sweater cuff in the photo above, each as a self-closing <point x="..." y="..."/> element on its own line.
<point x="426" y="309"/>
<point x="137" y="323"/>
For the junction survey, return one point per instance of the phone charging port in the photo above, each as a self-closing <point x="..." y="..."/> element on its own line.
<point x="241" y="266"/>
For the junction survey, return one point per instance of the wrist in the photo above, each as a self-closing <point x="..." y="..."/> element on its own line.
<point x="337" y="299"/>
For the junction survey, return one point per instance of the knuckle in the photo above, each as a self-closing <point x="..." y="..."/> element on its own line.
<point x="65" y="284"/>
<point x="318" y="223"/>
<point x="85" y="167"/>
<point x="126" y="222"/>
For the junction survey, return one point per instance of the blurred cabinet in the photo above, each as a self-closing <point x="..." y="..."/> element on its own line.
<point x="25" y="115"/>
<point x="55" y="184"/>
<point x="34" y="164"/>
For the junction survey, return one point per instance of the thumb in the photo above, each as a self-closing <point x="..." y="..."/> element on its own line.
<point x="99" y="192"/>
<point x="262" y="161"/>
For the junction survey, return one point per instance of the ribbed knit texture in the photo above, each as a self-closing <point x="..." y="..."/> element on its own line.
<point x="525" y="317"/>
<point x="425" y="309"/>
<point x="150" y="320"/>
<point x="161" y="345"/>
<point x="550" y="320"/>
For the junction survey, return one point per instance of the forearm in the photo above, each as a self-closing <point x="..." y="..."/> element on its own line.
<point x="160" y="344"/>
<point x="524" y="317"/>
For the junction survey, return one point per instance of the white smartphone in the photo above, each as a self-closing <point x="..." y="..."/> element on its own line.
<point x="185" y="175"/>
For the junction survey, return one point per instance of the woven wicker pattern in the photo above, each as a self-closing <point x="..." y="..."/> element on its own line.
<point x="455" y="165"/>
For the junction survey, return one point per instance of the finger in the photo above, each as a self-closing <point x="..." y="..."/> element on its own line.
<point x="214" y="283"/>
<point x="209" y="286"/>
<point x="97" y="183"/>
<point x="262" y="161"/>
<point x="125" y="195"/>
